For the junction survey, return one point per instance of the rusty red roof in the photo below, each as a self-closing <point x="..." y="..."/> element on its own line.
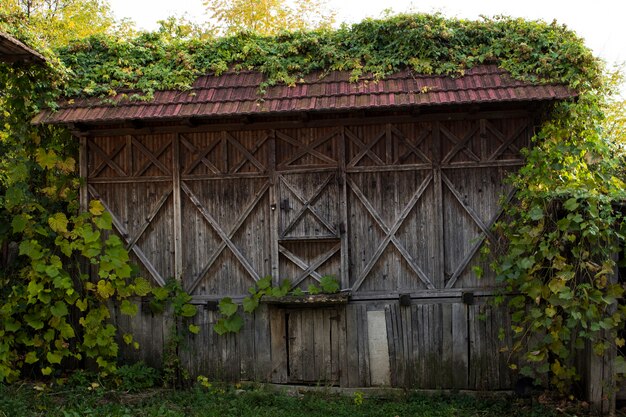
<point x="237" y="93"/>
<point x="12" y="50"/>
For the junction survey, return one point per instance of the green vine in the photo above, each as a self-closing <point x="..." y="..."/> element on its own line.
<point x="561" y="231"/>
<point x="232" y="322"/>
<point x="432" y="44"/>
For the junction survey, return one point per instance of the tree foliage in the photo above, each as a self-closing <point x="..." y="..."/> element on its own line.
<point x="58" y="22"/>
<point x="269" y="17"/>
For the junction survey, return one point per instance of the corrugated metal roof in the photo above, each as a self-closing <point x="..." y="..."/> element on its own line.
<point x="12" y="50"/>
<point x="237" y="93"/>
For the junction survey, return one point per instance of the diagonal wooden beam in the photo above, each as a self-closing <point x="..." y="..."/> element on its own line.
<point x="310" y="270"/>
<point x="245" y="152"/>
<point x="202" y="158"/>
<point x="366" y="149"/>
<point x="466" y="207"/>
<point x="412" y="148"/>
<point x="459" y="144"/>
<point x="119" y="226"/>
<point x="299" y="262"/>
<point x="132" y="241"/>
<point x="107" y="160"/>
<point x="242" y="218"/>
<point x="254" y="150"/>
<point x="506" y="142"/>
<point x="390" y="231"/>
<point x="477" y="244"/>
<point x="151" y="159"/>
<point x="307" y="148"/>
<point x="307" y="205"/>
<point x="226" y="239"/>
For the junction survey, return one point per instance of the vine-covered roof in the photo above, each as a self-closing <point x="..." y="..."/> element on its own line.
<point x="12" y="50"/>
<point x="237" y="93"/>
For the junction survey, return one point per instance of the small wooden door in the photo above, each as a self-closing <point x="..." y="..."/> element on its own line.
<point x="314" y="342"/>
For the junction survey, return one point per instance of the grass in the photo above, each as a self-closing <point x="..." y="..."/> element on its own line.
<point x="28" y="400"/>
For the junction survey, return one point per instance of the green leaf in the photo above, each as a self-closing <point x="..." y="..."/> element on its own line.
<point x="227" y="307"/>
<point x="59" y="309"/>
<point x="105" y="289"/>
<point x="19" y="223"/>
<point x="329" y="284"/>
<point x="31" y="357"/>
<point x="104" y="222"/>
<point x="128" y="338"/>
<point x="128" y="308"/>
<point x="571" y="204"/>
<point x="194" y="329"/>
<point x="54" y="357"/>
<point x="33" y="321"/>
<point x="234" y="323"/>
<point x="96" y="207"/>
<point x="250" y="304"/>
<point x="264" y="282"/>
<point x="58" y="222"/>
<point x="142" y="287"/>
<point x="46" y="371"/>
<point x="536" y="213"/>
<point x="188" y="310"/>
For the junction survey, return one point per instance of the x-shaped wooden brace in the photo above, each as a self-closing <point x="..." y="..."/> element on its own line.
<point x="460" y="145"/>
<point x="308" y="269"/>
<point x="153" y="158"/>
<point x="484" y="227"/>
<point x="201" y="155"/>
<point x="507" y="143"/>
<point x="107" y="160"/>
<point x="366" y="149"/>
<point x="247" y="155"/>
<point x="307" y="205"/>
<point x="131" y="241"/>
<point x="413" y="148"/>
<point x="251" y="152"/>
<point x="226" y="237"/>
<point x="390" y="233"/>
<point x="304" y="149"/>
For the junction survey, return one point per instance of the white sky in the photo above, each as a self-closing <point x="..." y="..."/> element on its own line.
<point x="602" y="23"/>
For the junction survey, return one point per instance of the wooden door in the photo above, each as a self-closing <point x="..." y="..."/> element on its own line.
<point x="314" y="342"/>
<point x="225" y="211"/>
<point x="309" y="191"/>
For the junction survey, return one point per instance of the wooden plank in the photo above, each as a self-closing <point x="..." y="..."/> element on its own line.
<point x="438" y="213"/>
<point x="460" y="346"/>
<point x="263" y="346"/>
<point x="178" y="224"/>
<point x="279" y="343"/>
<point x="83" y="171"/>
<point x="351" y="370"/>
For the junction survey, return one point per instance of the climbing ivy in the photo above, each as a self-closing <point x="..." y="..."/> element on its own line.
<point x="431" y="44"/>
<point x="561" y="230"/>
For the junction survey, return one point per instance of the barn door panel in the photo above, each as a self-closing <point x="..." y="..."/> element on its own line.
<point x="477" y="156"/>
<point x="225" y="211"/>
<point x="313" y="345"/>
<point x="131" y="175"/>
<point x="309" y="198"/>
<point x="391" y="232"/>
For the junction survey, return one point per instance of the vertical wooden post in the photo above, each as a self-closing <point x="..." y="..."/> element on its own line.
<point x="273" y="177"/>
<point x="178" y="228"/>
<point x="440" y="279"/>
<point x="83" y="168"/>
<point x="343" y="211"/>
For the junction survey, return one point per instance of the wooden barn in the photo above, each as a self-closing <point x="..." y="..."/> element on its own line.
<point x="391" y="186"/>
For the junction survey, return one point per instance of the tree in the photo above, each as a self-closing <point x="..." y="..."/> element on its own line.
<point x="269" y="17"/>
<point x="59" y="21"/>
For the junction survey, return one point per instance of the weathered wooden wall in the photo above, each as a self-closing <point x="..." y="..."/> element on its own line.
<point x="388" y="207"/>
